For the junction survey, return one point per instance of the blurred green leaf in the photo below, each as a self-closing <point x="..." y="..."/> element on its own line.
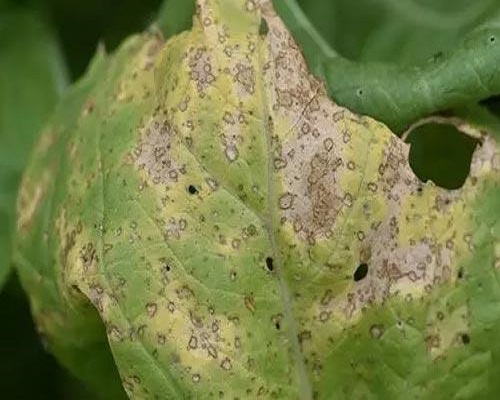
<point x="399" y="31"/>
<point x="32" y="76"/>
<point x="399" y="95"/>
<point x="175" y="16"/>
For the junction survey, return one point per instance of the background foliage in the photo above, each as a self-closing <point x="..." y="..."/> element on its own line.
<point x="46" y="44"/>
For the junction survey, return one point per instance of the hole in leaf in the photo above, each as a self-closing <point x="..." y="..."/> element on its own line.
<point x="360" y="92"/>
<point x="465" y="338"/>
<point x="192" y="189"/>
<point x="460" y="273"/>
<point x="492" y="39"/>
<point x="442" y="154"/>
<point x="269" y="264"/>
<point x="360" y="272"/>
<point x="277" y="325"/>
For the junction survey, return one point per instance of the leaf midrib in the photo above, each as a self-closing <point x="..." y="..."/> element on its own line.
<point x="271" y="223"/>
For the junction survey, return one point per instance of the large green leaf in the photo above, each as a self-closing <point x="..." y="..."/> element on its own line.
<point x="32" y="77"/>
<point x="241" y="235"/>
<point x="406" y="32"/>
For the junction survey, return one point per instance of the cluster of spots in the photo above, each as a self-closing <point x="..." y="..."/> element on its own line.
<point x="79" y="258"/>
<point x="135" y="387"/>
<point x="174" y="228"/>
<point x="88" y="257"/>
<point x="153" y="153"/>
<point x="347" y="193"/>
<point x="205" y="342"/>
<point x="72" y="257"/>
<point x="390" y="255"/>
<point x="307" y="156"/>
<point x="447" y="327"/>
<point x="81" y="263"/>
<point x="346" y="181"/>
<point x="236" y="78"/>
<point x="184" y="332"/>
<point x="202" y="70"/>
<point x="244" y="75"/>
<point x="232" y="134"/>
<point x="208" y="345"/>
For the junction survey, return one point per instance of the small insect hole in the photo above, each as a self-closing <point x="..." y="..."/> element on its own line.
<point x="361" y="272"/>
<point x="277" y="325"/>
<point x="492" y="39"/>
<point x="360" y="92"/>
<point x="192" y="189"/>
<point x="460" y="273"/>
<point x="465" y="338"/>
<point x="269" y="264"/>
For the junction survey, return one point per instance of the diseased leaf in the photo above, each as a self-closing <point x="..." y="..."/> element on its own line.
<point x="32" y="77"/>
<point x="315" y="48"/>
<point x="241" y="235"/>
<point x="399" y="75"/>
